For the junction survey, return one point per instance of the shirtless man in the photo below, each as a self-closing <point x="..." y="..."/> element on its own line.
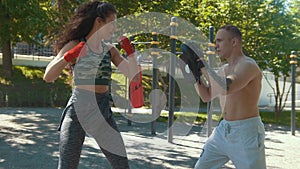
<point x="240" y="135"/>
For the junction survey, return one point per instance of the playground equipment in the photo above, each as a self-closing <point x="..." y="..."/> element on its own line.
<point x="293" y="63"/>
<point x="155" y="53"/>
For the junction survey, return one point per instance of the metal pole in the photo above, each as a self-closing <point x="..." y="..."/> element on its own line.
<point x="129" y="114"/>
<point x="155" y="79"/>
<point x="129" y="104"/>
<point x="209" y="108"/>
<point x="173" y="37"/>
<point x="293" y="63"/>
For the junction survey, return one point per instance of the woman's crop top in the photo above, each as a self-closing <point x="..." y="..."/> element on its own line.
<point x="93" y="68"/>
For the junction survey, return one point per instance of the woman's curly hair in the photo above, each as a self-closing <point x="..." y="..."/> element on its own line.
<point x="82" y="22"/>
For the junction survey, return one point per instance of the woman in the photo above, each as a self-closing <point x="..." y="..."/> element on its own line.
<point x="82" y="47"/>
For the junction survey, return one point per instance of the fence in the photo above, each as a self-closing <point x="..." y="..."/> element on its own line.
<point x="23" y="48"/>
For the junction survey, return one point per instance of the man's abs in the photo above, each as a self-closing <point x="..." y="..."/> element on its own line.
<point x="239" y="108"/>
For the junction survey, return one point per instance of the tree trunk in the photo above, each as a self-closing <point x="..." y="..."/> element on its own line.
<point x="5" y="40"/>
<point x="277" y="97"/>
<point x="6" y="58"/>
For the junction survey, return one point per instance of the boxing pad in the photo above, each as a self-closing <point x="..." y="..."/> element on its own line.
<point x="136" y="93"/>
<point x="186" y="71"/>
<point x="193" y="63"/>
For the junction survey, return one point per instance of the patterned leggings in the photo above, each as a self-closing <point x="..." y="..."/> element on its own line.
<point x="72" y="135"/>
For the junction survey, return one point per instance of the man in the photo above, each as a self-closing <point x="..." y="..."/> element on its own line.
<point x="240" y="135"/>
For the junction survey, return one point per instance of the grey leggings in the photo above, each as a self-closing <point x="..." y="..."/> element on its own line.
<point x="72" y="135"/>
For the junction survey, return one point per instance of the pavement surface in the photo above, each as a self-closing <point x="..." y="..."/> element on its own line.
<point x="29" y="140"/>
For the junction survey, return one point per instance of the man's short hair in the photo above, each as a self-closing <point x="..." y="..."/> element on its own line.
<point x="233" y="30"/>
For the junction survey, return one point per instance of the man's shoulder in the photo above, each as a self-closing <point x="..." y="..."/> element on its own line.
<point x="249" y="60"/>
<point x="254" y="66"/>
<point x="248" y="65"/>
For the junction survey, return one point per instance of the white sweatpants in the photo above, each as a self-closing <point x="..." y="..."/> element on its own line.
<point x="240" y="141"/>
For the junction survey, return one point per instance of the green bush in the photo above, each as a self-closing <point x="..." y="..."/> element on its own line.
<point x="26" y="88"/>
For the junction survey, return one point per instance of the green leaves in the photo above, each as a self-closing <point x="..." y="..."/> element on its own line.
<point x="26" y="19"/>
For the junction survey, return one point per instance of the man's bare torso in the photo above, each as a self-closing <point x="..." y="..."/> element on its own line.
<point x="242" y="104"/>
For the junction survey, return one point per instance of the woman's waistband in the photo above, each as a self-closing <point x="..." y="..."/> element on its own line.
<point x="83" y="92"/>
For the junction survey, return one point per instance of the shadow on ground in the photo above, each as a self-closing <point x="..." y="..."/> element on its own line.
<point x="29" y="140"/>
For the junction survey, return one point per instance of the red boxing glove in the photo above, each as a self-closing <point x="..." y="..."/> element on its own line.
<point x="126" y="45"/>
<point x="78" y="51"/>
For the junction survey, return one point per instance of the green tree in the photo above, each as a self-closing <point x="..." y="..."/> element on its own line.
<point x="269" y="31"/>
<point x="22" y="20"/>
<point x="276" y="38"/>
<point x="294" y="12"/>
<point x="65" y="10"/>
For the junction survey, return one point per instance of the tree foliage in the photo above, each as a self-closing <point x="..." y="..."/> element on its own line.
<point x="26" y="19"/>
<point x="23" y="20"/>
<point x="270" y="27"/>
<point x="270" y="32"/>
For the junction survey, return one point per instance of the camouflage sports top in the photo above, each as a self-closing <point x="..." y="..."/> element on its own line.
<point x="93" y="68"/>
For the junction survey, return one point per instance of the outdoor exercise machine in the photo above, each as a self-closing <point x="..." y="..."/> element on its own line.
<point x="293" y="63"/>
<point x="155" y="53"/>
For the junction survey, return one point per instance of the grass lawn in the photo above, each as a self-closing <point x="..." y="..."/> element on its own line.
<point x="267" y="117"/>
<point x="283" y="119"/>
<point x="26" y="88"/>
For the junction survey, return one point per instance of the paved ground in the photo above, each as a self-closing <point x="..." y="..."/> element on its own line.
<point x="29" y="140"/>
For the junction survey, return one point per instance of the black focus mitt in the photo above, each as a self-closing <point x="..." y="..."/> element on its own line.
<point x="193" y="60"/>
